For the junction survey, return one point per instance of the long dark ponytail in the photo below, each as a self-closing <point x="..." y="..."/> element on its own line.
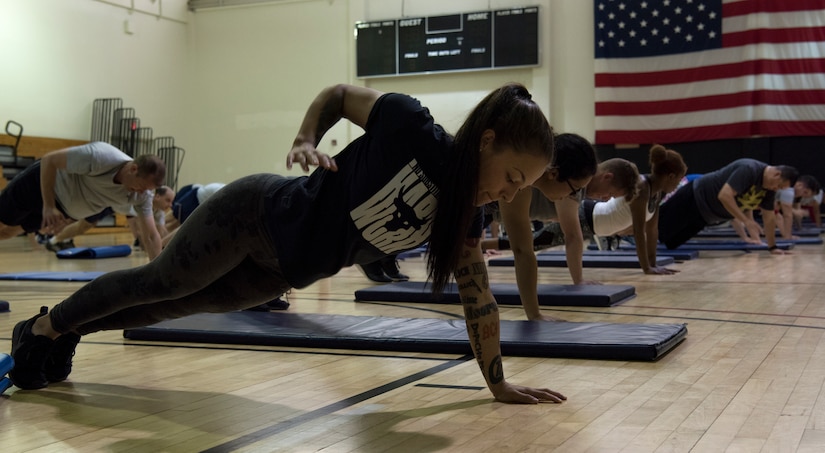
<point x="519" y="124"/>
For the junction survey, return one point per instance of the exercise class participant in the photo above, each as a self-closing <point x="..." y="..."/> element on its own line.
<point x="640" y="216"/>
<point x="78" y="182"/>
<point x="725" y="194"/>
<point x="404" y="182"/>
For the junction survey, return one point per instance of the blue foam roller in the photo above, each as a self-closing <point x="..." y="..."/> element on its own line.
<point x="5" y="383"/>
<point x="6" y="364"/>
<point x="109" y="251"/>
<point x="4" y="306"/>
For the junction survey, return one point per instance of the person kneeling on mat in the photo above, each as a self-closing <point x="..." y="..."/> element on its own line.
<point x="263" y="234"/>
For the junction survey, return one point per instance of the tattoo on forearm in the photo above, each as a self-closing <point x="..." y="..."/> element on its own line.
<point x="470" y="284"/>
<point x="489" y="330"/>
<point x="475" y="339"/>
<point x="496" y="370"/>
<point x="471" y="313"/>
<point x="463" y="272"/>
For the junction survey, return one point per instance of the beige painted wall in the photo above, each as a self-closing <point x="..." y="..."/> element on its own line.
<point x="232" y="84"/>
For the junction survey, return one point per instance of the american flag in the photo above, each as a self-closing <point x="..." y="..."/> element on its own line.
<point x="672" y="71"/>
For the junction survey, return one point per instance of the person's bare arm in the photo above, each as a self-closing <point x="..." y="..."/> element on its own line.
<point x="53" y="219"/>
<point x="568" y="212"/>
<point x="515" y="216"/>
<point x="333" y="103"/>
<point x="769" y="219"/>
<point x="149" y="237"/>
<point x="483" y="329"/>
<point x="638" y="211"/>
<point x="786" y="227"/>
<point x="727" y="196"/>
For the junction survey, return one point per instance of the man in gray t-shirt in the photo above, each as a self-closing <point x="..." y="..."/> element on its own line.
<point x="725" y="194"/>
<point x="78" y="182"/>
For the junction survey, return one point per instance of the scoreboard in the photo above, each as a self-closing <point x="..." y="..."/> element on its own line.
<point x="457" y="42"/>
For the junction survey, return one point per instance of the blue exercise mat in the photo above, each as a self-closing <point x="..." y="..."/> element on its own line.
<point x="779" y="241"/>
<point x="589" y="261"/>
<point x="108" y="251"/>
<point x="4" y="306"/>
<point x="607" y="341"/>
<point x="6" y="365"/>
<point x="53" y="276"/>
<point x="731" y="233"/>
<point x="709" y="245"/>
<point x="505" y="294"/>
<point x="593" y="250"/>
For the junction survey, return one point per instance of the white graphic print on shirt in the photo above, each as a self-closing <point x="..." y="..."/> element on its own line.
<point x="399" y="216"/>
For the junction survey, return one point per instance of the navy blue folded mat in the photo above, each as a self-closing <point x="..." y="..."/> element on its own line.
<point x="601" y="261"/>
<point x="709" y="245"/>
<point x="505" y="294"/>
<point x="593" y="250"/>
<point x="53" y="276"/>
<point x="4" y="306"/>
<point x="608" y="341"/>
<point x="728" y="232"/>
<point x="107" y="251"/>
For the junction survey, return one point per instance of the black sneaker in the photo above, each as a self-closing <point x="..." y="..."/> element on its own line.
<point x="29" y="352"/>
<point x="390" y="267"/>
<point x="59" y="362"/>
<point x="374" y="272"/>
<point x="42" y="238"/>
<point x="59" y="246"/>
<point x="277" y="304"/>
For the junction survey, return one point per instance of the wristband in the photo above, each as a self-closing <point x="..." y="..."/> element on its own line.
<point x="772" y="248"/>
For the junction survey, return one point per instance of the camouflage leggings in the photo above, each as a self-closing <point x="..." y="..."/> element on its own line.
<point x="222" y="259"/>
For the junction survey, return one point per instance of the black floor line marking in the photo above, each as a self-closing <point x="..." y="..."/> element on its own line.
<point x="758" y="323"/>
<point x="445" y="386"/>
<point x="270" y="431"/>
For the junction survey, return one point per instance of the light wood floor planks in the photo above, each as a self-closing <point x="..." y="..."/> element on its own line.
<point x="748" y="378"/>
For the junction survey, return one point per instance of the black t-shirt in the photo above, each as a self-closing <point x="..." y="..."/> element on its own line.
<point x="745" y="177"/>
<point x="381" y="201"/>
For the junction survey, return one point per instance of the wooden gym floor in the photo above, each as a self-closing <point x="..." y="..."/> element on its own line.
<point x="748" y="378"/>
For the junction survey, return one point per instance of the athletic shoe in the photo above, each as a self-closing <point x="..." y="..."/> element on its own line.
<point x="59" y="246"/>
<point x="277" y="304"/>
<point x="42" y="238"/>
<point x="274" y="304"/>
<point x="59" y="362"/>
<point x="390" y="267"/>
<point x="374" y="272"/>
<point x="29" y="352"/>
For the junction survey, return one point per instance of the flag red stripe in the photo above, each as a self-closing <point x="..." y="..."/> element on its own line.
<point x="729" y="70"/>
<point x="771" y="6"/>
<point x="773" y="36"/>
<point x="715" y="132"/>
<point x="722" y="101"/>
